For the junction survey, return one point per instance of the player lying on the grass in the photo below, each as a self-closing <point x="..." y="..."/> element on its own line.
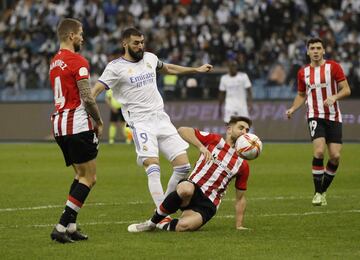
<point x="200" y="195"/>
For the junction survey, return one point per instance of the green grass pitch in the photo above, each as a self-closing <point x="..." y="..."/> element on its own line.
<point x="283" y="223"/>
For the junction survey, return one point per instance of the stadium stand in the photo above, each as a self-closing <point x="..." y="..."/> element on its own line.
<point x="266" y="37"/>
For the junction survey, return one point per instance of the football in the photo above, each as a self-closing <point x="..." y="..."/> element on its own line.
<point x="248" y="146"/>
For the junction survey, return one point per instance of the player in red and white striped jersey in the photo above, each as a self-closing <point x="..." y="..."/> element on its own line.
<point x="72" y="127"/>
<point x="200" y="195"/>
<point x="321" y="84"/>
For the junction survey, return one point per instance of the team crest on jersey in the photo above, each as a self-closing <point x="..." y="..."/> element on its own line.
<point x="83" y="71"/>
<point x="148" y="65"/>
<point x="204" y="133"/>
<point x="145" y="148"/>
<point x="130" y="71"/>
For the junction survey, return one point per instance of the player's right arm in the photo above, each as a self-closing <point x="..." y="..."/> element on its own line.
<point x="188" y="134"/>
<point x="298" y="101"/>
<point x="301" y="95"/>
<point x="90" y="104"/>
<point x="97" y="89"/>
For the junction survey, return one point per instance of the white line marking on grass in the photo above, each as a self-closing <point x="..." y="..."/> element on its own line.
<point x="81" y="224"/>
<point x="138" y="202"/>
<point x="86" y="224"/>
<point x="61" y="206"/>
<point x="297" y="214"/>
<point x="219" y="216"/>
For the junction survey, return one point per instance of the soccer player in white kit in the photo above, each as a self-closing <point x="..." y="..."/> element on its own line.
<point x="132" y="78"/>
<point x="235" y="90"/>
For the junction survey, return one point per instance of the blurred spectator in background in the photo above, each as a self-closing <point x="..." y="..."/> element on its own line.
<point x="235" y="90"/>
<point x="277" y="75"/>
<point x="117" y="120"/>
<point x="169" y="85"/>
<point x="188" y="33"/>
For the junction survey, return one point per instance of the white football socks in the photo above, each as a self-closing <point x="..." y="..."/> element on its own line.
<point x="154" y="183"/>
<point x="179" y="173"/>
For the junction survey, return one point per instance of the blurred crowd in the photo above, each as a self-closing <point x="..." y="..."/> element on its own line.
<point x="267" y="37"/>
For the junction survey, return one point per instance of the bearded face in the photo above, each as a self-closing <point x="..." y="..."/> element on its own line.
<point x="77" y="46"/>
<point x="134" y="47"/>
<point x="78" y="40"/>
<point x="136" y="55"/>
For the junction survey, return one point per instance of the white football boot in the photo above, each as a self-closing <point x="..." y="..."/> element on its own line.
<point x="316" y="201"/>
<point x="323" y="199"/>
<point x="142" y="227"/>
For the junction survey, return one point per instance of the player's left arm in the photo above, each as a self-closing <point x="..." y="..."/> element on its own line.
<point x="169" y="68"/>
<point x="240" y="206"/>
<point x="344" y="91"/>
<point x="90" y="104"/>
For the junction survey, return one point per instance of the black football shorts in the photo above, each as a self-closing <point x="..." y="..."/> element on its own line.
<point x="201" y="204"/>
<point x="330" y="130"/>
<point x="78" y="148"/>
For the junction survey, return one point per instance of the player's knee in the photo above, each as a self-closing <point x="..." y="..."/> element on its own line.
<point x="147" y="162"/>
<point x="185" y="189"/>
<point x="319" y="154"/>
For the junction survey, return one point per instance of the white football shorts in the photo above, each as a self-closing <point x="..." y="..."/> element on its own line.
<point x="228" y="113"/>
<point x="154" y="133"/>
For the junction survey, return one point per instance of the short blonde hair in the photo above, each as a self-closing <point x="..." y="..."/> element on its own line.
<point x="66" y="26"/>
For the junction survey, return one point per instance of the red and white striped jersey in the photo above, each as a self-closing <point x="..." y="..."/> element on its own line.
<point x="70" y="117"/>
<point x="319" y="83"/>
<point x="213" y="177"/>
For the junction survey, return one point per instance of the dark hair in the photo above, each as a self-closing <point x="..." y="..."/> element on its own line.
<point x="235" y="119"/>
<point x="130" y="31"/>
<point x="66" y="26"/>
<point x="314" y="40"/>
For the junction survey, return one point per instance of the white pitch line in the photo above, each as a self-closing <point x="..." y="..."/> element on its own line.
<point x="149" y="202"/>
<point x="61" y="206"/>
<point x="298" y="214"/>
<point x="219" y="216"/>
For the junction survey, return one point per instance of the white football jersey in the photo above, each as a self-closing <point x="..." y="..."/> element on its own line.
<point x="134" y="86"/>
<point x="235" y="87"/>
